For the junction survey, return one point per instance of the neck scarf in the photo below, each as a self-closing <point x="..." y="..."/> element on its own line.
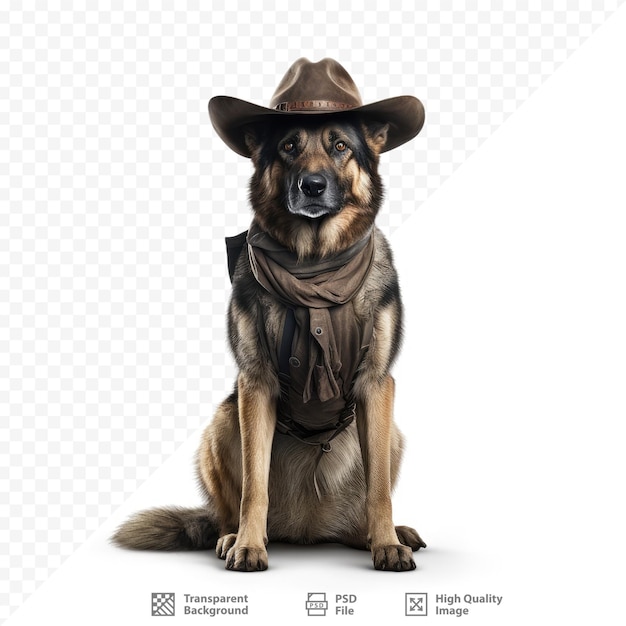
<point x="313" y="286"/>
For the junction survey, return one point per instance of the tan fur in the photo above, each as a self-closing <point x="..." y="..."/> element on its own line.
<point x="360" y="182"/>
<point x="332" y="233"/>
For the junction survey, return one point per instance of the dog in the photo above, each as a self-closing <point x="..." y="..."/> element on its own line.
<point x="305" y="450"/>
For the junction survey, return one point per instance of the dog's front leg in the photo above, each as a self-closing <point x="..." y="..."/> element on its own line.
<point x="375" y="432"/>
<point x="257" y="420"/>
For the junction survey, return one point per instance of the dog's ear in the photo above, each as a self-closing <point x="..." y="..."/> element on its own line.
<point x="376" y="134"/>
<point x="252" y="137"/>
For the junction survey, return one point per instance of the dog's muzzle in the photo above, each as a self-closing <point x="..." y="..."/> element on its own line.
<point x="313" y="195"/>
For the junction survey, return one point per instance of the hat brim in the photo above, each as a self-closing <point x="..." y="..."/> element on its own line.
<point x="230" y="116"/>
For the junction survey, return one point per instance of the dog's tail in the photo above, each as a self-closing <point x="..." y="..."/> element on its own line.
<point x="169" y="528"/>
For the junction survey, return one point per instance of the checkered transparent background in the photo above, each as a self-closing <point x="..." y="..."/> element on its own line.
<point x="116" y="196"/>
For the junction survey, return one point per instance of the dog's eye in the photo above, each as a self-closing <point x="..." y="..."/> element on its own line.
<point x="340" y="146"/>
<point x="289" y="146"/>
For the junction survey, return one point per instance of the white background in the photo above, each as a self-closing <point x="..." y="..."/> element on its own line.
<point x="510" y="384"/>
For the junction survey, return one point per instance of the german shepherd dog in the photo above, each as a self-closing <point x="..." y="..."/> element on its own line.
<point x="316" y="192"/>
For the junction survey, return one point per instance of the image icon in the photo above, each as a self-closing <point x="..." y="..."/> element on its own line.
<point x="416" y="604"/>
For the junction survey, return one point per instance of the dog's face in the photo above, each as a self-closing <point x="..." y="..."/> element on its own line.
<point x="316" y="187"/>
<point x="319" y="169"/>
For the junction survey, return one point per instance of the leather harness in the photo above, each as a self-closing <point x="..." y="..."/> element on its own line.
<point x="285" y="424"/>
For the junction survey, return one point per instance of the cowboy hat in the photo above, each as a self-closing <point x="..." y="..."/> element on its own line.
<point x="321" y="88"/>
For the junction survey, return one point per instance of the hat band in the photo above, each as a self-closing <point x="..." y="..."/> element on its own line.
<point x="313" y="105"/>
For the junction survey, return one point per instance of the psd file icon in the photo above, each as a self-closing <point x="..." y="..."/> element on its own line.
<point x="316" y="604"/>
<point x="416" y="604"/>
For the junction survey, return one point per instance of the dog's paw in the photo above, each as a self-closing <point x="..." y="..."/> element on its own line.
<point x="246" y="559"/>
<point x="408" y="536"/>
<point x="396" y="558"/>
<point x="224" y="544"/>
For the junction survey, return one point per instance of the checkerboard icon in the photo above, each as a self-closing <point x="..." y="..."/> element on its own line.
<point x="163" y="604"/>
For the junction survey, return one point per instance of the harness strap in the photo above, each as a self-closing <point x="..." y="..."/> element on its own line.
<point x="286" y="425"/>
<point x="345" y="419"/>
<point x="234" y="247"/>
<point x="289" y="427"/>
<point x="289" y="330"/>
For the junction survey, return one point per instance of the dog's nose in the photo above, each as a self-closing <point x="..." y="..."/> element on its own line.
<point x="312" y="185"/>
